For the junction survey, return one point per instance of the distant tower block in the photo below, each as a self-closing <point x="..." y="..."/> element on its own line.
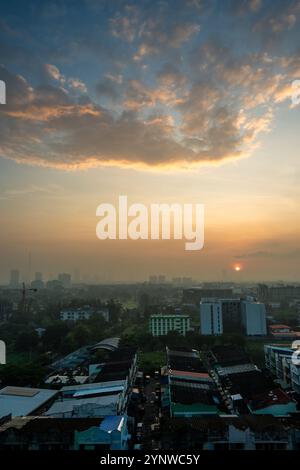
<point x="38" y="276"/>
<point x="14" y="278"/>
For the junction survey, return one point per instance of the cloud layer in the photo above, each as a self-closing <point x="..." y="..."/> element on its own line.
<point x="172" y="93"/>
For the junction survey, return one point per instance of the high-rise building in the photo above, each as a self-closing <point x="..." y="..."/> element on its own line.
<point x="157" y="279"/>
<point x="38" y="282"/>
<point x="232" y="317"/>
<point x="160" y="325"/>
<point x="65" y="279"/>
<point x="228" y="316"/>
<point x="14" y="278"/>
<point x="283" y="362"/>
<point x="254" y="318"/>
<point x="211" y="319"/>
<point x="280" y="293"/>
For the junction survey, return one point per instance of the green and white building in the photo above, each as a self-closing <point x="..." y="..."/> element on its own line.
<point x="160" y="325"/>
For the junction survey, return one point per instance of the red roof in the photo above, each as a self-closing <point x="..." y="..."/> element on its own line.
<point x="188" y="374"/>
<point x="275" y="327"/>
<point x="274" y="397"/>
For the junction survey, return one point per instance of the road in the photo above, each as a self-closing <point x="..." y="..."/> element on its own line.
<point x="151" y="416"/>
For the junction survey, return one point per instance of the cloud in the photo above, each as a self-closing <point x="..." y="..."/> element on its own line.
<point x="289" y="254"/>
<point x="109" y="87"/>
<point x="170" y="76"/>
<point x="73" y="83"/>
<point x="125" y="25"/>
<point x="167" y="91"/>
<point x="54" y="73"/>
<point x="152" y="30"/>
<point x="256" y="254"/>
<point x="16" y="193"/>
<point x="279" y="19"/>
<point x="139" y="96"/>
<point x="160" y="34"/>
<point x="173" y="122"/>
<point x="243" y="7"/>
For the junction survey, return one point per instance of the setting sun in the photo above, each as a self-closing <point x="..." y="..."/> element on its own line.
<point x="237" y="268"/>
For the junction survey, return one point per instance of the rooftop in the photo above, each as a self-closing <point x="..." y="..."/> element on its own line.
<point x="271" y="398"/>
<point x="22" y="401"/>
<point x="258" y="423"/>
<point x="97" y="385"/>
<point x="95" y="391"/>
<point x="110" y="344"/>
<point x="186" y="360"/>
<point x="112" y="423"/>
<point x="183" y="352"/>
<point x="166" y="315"/>
<point x="236" y="369"/>
<point x="230" y="355"/>
<point x="40" y="424"/>
<point x="192" y="375"/>
<point x="112" y="371"/>
<point x="274" y="327"/>
<point x="190" y="395"/>
<point x="248" y="384"/>
<point x="70" y="406"/>
<point x="186" y="364"/>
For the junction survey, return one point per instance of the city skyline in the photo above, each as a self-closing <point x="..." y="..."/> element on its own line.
<point x="167" y="102"/>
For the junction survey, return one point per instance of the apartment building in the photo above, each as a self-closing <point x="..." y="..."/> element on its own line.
<point x="283" y="363"/>
<point x="160" y="325"/>
<point x="218" y="316"/>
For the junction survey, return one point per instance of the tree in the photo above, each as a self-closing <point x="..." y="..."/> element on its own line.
<point x="114" y="309"/>
<point x="97" y="327"/>
<point x="30" y="374"/>
<point x="27" y="341"/>
<point x="55" y="336"/>
<point x="81" y="335"/>
<point x="173" y="339"/>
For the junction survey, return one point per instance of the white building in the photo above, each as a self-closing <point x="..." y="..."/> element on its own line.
<point x="211" y="321"/>
<point x="254" y="318"/>
<point x="218" y="316"/>
<point x="283" y="362"/>
<point x="160" y="325"/>
<point x="83" y="313"/>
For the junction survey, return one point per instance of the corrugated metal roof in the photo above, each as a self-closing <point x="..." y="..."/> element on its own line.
<point x="21" y="401"/>
<point x="67" y="406"/>
<point x="98" y="390"/>
<point x="112" y="423"/>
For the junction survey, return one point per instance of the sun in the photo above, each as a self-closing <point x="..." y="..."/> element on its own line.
<point x="237" y="268"/>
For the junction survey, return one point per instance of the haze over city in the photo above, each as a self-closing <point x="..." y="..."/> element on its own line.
<point x="169" y="102"/>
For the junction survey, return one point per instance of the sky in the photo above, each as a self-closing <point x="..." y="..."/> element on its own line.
<point x="182" y="101"/>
